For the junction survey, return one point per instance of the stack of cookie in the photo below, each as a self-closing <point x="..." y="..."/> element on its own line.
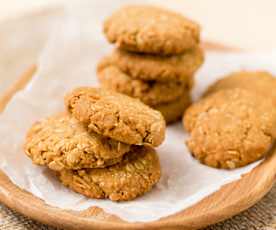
<point x="234" y="124"/>
<point x="155" y="60"/>
<point x="103" y="146"/>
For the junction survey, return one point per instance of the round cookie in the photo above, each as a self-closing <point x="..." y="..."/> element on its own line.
<point x="150" y="29"/>
<point x="260" y="82"/>
<point x="62" y="142"/>
<point x="117" y="116"/>
<point x="230" y="128"/>
<point x="158" y="68"/>
<point x="149" y="92"/>
<point x="135" y="175"/>
<point x="173" y="111"/>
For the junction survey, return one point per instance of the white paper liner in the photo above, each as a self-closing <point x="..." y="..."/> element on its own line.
<point x="69" y="60"/>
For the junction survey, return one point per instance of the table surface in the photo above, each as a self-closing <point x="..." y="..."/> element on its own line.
<point x="247" y="24"/>
<point x="229" y="29"/>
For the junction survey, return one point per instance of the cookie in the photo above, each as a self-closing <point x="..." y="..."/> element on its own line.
<point x="260" y="82"/>
<point x="150" y="29"/>
<point x="117" y="116"/>
<point x="230" y="128"/>
<point x="61" y="142"/>
<point x="135" y="175"/>
<point x="149" y="92"/>
<point x="173" y="111"/>
<point x="158" y="68"/>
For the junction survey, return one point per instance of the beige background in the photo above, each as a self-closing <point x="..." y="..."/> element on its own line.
<point x="249" y="24"/>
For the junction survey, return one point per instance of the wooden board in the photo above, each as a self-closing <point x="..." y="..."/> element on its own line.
<point x="228" y="201"/>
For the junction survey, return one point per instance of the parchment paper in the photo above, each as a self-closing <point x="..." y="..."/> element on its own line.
<point x="69" y="60"/>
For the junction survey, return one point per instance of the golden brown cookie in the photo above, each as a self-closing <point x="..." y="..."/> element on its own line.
<point x="230" y="128"/>
<point x="135" y="175"/>
<point x="158" y="68"/>
<point x="117" y="116"/>
<point x="149" y="92"/>
<point x="260" y="82"/>
<point x="174" y="110"/>
<point x="61" y="142"/>
<point x="150" y="29"/>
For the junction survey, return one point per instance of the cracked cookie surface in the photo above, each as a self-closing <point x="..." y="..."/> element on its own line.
<point x="173" y="111"/>
<point x="151" y="93"/>
<point x="151" y="29"/>
<point x="158" y="68"/>
<point x="260" y="82"/>
<point x="117" y="116"/>
<point x="135" y="175"/>
<point x="230" y="128"/>
<point x="61" y="142"/>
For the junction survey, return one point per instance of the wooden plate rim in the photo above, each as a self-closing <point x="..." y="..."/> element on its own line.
<point x="261" y="180"/>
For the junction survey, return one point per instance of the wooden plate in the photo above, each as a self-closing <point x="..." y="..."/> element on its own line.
<point x="228" y="201"/>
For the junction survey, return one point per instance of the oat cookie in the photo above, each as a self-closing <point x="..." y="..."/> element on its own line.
<point x="152" y="67"/>
<point x="260" y="82"/>
<point x="117" y="116"/>
<point x="151" y="29"/>
<point x="230" y="128"/>
<point x="173" y="111"/>
<point x="134" y="176"/>
<point x="149" y="92"/>
<point x="61" y="142"/>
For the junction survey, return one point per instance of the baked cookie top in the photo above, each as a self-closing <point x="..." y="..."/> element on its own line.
<point x="149" y="92"/>
<point x="158" y="68"/>
<point x="260" y="82"/>
<point x="150" y="29"/>
<point x="117" y="116"/>
<point x="230" y="128"/>
<point x="61" y="142"/>
<point x="135" y="175"/>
